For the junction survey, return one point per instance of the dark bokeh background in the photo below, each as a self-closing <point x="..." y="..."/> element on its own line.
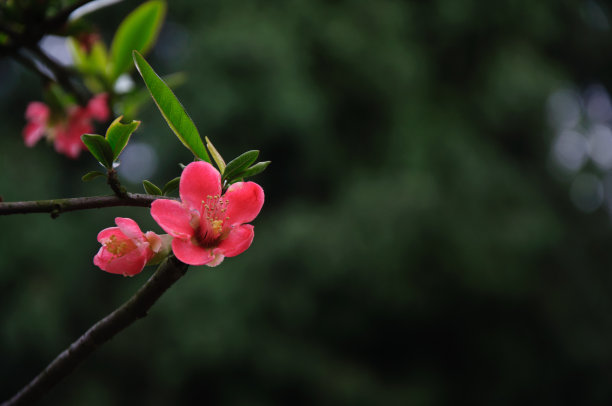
<point x="417" y="246"/>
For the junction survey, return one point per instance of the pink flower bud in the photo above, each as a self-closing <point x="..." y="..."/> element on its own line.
<point x="125" y="249"/>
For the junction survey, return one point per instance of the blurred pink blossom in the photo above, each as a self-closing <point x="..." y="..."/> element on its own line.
<point x="65" y="132"/>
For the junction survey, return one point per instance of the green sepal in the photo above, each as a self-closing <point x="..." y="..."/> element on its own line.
<point x="164" y="251"/>
<point x="138" y="31"/>
<point x="254" y="170"/>
<point x="89" y="176"/>
<point x="239" y="164"/>
<point x="99" y="148"/>
<point x="171" y="185"/>
<point x="118" y="135"/>
<point x="215" y="155"/>
<point x="171" y="109"/>
<point x="151" y="188"/>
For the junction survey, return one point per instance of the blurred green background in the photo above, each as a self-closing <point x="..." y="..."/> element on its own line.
<point x="419" y="244"/>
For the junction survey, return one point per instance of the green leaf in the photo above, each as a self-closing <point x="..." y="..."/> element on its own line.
<point x="171" y="185"/>
<point x="171" y="109"/>
<point x="138" y="31"/>
<point x="92" y="175"/>
<point x="215" y="155"/>
<point x="254" y="170"/>
<point x="151" y="188"/>
<point x="79" y="56"/>
<point x="99" y="148"/>
<point x="239" y="164"/>
<point x="98" y="56"/>
<point x="118" y="135"/>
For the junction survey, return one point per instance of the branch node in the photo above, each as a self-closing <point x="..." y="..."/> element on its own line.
<point x="115" y="185"/>
<point x="55" y="212"/>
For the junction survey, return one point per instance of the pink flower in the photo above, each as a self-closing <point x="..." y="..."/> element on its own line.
<point x="37" y="114"/>
<point x="208" y="226"/>
<point x="65" y="133"/>
<point x="125" y="249"/>
<point x="97" y="107"/>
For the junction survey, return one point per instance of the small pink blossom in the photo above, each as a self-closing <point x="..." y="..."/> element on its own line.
<point x="65" y="132"/>
<point x="37" y="114"/>
<point x="125" y="249"/>
<point x="206" y="225"/>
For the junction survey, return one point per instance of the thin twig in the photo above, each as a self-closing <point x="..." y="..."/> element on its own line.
<point x="137" y="307"/>
<point x="62" y="74"/>
<point x="60" y="18"/>
<point x="115" y="185"/>
<point x="57" y="206"/>
<point x="28" y="63"/>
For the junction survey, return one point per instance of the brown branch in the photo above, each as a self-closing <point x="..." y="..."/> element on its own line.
<point x="60" y="18"/>
<point x="137" y="307"/>
<point x="28" y="63"/>
<point x="57" y="206"/>
<point x="115" y="185"/>
<point x="62" y="75"/>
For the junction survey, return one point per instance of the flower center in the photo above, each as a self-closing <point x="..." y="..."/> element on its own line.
<point x="118" y="247"/>
<point x="212" y="221"/>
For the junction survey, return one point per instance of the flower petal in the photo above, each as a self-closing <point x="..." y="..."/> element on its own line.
<point x="98" y="107"/>
<point x="155" y="241"/>
<point x="33" y="132"/>
<point x="245" y="200"/>
<point x="190" y="253"/>
<point x="105" y="235"/>
<point x="216" y="260"/>
<point x="238" y="240"/>
<point x="128" y="265"/>
<point x="199" y="180"/>
<point x="129" y="227"/>
<point x="173" y="217"/>
<point x="37" y="112"/>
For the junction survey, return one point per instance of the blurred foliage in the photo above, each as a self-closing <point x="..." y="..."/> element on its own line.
<point x="413" y="249"/>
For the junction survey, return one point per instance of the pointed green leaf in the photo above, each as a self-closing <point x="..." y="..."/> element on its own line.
<point x="79" y="57"/>
<point x="138" y="31"/>
<point x="171" y="185"/>
<point x="118" y="135"/>
<point x="98" y="57"/>
<point x="92" y="175"/>
<point x="254" y="170"/>
<point x="171" y="109"/>
<point x="239" y="164"/>
<point x="99" y="148"/>
<point x="151" y="188"/>
<point x="215" y="155"/>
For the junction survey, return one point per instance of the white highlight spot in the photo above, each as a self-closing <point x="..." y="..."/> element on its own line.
<point x="570" y="150"/>
<point x="138" y="162"/>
